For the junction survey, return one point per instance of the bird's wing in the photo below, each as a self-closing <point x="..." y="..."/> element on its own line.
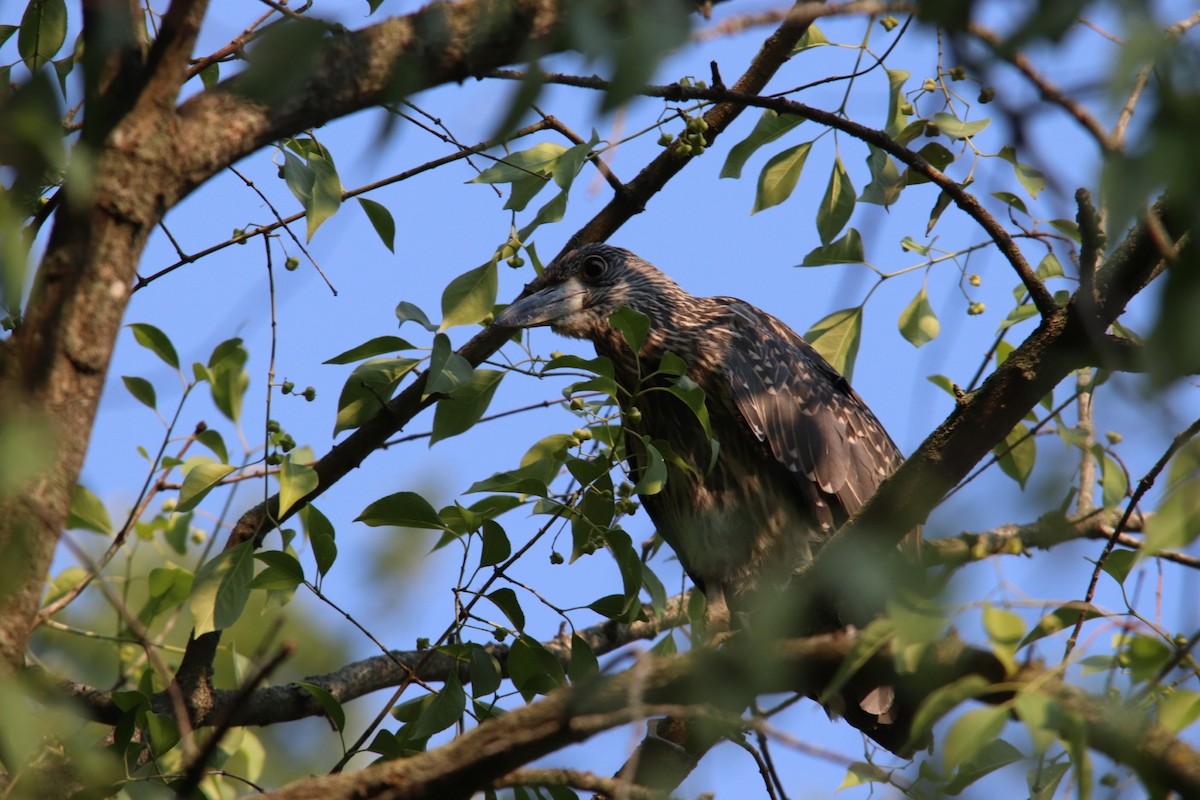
<point x="813" y="422"/>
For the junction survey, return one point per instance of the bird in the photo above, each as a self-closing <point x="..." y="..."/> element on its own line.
<point x="793" y="453"/>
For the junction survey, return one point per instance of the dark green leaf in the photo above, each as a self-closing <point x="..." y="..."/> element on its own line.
<point x="163" y="730"/>
<point x="156" y="342"/>
<point x="1062" y="617"/>
<point x="470" y="297"/>
<point x="935" y="213"/>
<point x="991" y="757"/>
<point x="88" y="512"/>
<point x="506" y="600"/>
<point x="1119" y="563"/>
<point x="938" y="156"/>
<point x="445" y="709"/>
<point x="401" y="510"/>
<point x="461" y="410"/>
<point x="321" y="536"/>
<point x="583" y="663"/>
<point x="283" y="571"/>
<point x="141" y="389"/>
<point x="221" y="589"/>
<point x="837" y="205"/>
<point x="382" y="221"/>
<point x="779" y="176"/>
<point x="534" y="669"/>
<point x="653" y="471"/>
<point x="328" y="703"/>
<point x="886" y="180"/>
<point x="484" y="672"/>
<point x="496" y="546"/>
<point x="770" y="126"/>
<point x="897" y="119"/>
<point x="372" y="347"/>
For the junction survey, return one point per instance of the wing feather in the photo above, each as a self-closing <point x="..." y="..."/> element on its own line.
<point x="815" y="425"/>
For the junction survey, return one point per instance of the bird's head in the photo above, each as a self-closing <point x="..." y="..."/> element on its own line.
<point x="577" y="293"/>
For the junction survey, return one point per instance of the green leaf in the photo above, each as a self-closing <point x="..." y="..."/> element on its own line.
<point x="812" y="37"/>
<point x="836" y="337"/>
<point x="971" y="733"/>
<point x="295" y="481"/>
<point x="583" y="663"/>
<point x="382" y="221"/>
<point x="141" y="389"/>
<point x="860" y="773"/>
<point x="633" y="325"/>
<point x="918" y="323"/>
<point x="1019" y="313"/>
<point x="227" y="377"/>
<point x="1062" y="617"/>
<point x="1032" y="178"/>
<point x="1017" y="454"/>
<point x="1113" y="481"/>
<point x="470" y="297"/>
<point x="942" y="701"/>
<point x="846" y="250"/>
<point x="1005" y="630"/>
<point x="837" y="205"/>
<point x="1012" y="201"/>
<point x="43" y="31"/>
<point x="484" y="670"/>
<point x="406" y="311"/>
<point x="314" y="181"/>
<point x="527" y="480"/>
<point x="156" y="342"/>
<point x="213" y="440"/>
<point x="896" y="119"/>
<point x="537" y="160"/>
<point x="993" y="756"/>
<point x="461" y="410"/>
<point x="221" y="589"/>
<point x="283" y="571"/>
<point x="1146" y="657"/>
<point x="88" y="512"/>
<point x="770" y="126"/>
<point x="447" y="369"/>
<point x="935" y="213"/>
<point x="322" y="537"/>
<point x="168" y="588"/>
<point x="496" y="547"/>
<point x="886" y="180"/>
<point x="198" y="482"/>
<point x="653" y="470"/>
<point x="372" y="347"/>
<point x="368" y="389"/>
<point x="533" y="669"/>
<point x="779" y="176"/>
<point x="506" y="600"/>
<point x="1049" y="267"/>
<point x="1178" y="709"/>
<point x="938" y="156"/>
<point x="163" y="730"/>
<point x="401" y="510"/>
<point x="956" y="128"/>
<point x="328" y="703"/>
<point x="1119" y="563"/>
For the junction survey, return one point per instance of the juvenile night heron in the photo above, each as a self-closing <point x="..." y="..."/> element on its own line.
<point x="798" y="450"/>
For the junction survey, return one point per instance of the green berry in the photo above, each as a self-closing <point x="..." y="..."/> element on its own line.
<point x="634" y="415"/>
<point x="310" y="394"/>
<point x="987" y="94"/>
<point x="975" y="280"/>
<point x="930" y="85"/>
<point x="1114" y="437"/>
<point x="665" y="140"/>
<point x="499" y="634"/>
<point x="422" y="643"/>
<point x="273" y="426"/>
<point x="291" y="263"/>
<point x="975" y="309"/>
<point x="958" y="73"/>
<point x="889" y="22"/>
<point x="286" y="387"/>
<point x="274" y="460"/>
<point x="907" y="109"/>
<point x="582" y="434"/>
<point x="577" y="404"/>
<point x="556" y="557"/>
<point x="516" y="262"/>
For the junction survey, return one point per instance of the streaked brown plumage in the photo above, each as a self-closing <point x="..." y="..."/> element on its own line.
<point x="798" y="450"/>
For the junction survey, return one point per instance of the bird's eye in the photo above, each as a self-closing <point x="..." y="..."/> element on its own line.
<point x="594" y="267"/>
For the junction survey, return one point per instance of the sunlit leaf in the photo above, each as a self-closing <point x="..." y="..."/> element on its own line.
<point x="846" y="250"/>
<point x="970" y="733"/>
<point x="896" y="119"/>
<point x="295" y="481"/>
<point x="1032" y="178"/>
<point x="956" y="128"/>
<point x="283" y="571"/>
<point x="88" y="512"/>
<point x="141" y="389"/>
<point x="372" y="347"/>
<point x="886" y="180"/>
<point x="221" y="588"/>
<point x="462" y="409"/>
<point x="406" y="311"/>
<point x="836" y="337"/>
<point x="918" y="323"/>
<point x="368" y="389"/>
<point x="633" y="325"/>
<point x="470" y="297"/>
<point x="1017" y="454"/>
<point x="653" y="472"/>
<point x="198" y="482"/>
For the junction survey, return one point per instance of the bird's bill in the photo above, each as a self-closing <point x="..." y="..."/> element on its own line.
<point x="543" y="307"/>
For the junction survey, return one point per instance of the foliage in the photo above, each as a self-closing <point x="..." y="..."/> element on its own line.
<point x="165" y="589"/>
